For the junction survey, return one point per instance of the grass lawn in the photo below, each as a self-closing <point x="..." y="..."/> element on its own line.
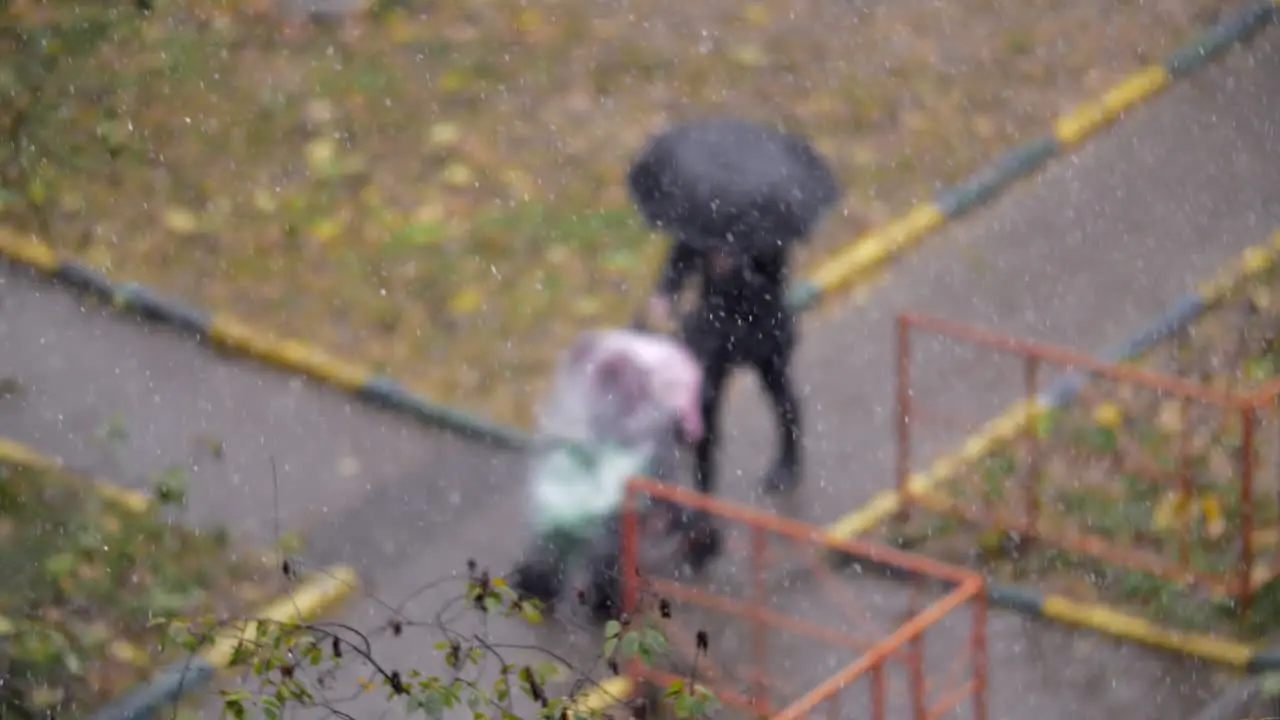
<point x="1112" y="466"/>
<point x="438" y="189"/>
<point x="85" y="582"/>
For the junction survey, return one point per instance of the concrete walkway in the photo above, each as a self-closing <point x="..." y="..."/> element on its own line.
<point x="1082" y="255"/>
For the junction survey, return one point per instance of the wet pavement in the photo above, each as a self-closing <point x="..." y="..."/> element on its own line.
<point x="1082" y="255"/>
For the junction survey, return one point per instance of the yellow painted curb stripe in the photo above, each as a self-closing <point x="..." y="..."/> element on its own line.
<point x="1118" y="624"/>
<point x="233" y="333"/>
<point x="28" y="251"/>
<point x="997" y="431"/>
<point x="316" y="597"/>
<point x="877" y="247"/>
<point x="866" y="517"/>
<point x="1087" y="119"/>
<point x="1253" y="261"/>
<point x="16" y="453"/>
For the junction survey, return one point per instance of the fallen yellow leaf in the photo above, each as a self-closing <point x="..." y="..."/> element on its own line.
<point x="466" y="302"/>
<point x="400" y="28"/>
<point x="319" y="111"/>
<point x="529" y="20"/>
<point x="321" y="153"/>
<point x="1261" y="297"/>
<point x="99" y="256"/>
<point x="126" y="653"/>
<point x="37" y="191"/>
<point x="458" y="175"/>
<point x="1215" y="524"/>
<point x="748" y="55"/>
<point x="265" y="200"/>
<point x="443" y="134"/>
<point x="452" y="81"/>
<point x="586" y="307"/>
<point x="1172" y="512"/>
<point x="756" y="14"/>
<point x="1108" y="415"/>
<point x="180" y="221"/>
<point x="325" y="230"/>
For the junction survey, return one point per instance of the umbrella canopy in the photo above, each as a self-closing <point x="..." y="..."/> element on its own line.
<point x="732" y="180"/>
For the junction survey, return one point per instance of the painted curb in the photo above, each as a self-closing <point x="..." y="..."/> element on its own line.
<point x="231" y="333"/>
<point x="1006" y="426"/>
<point x="1101" y="618"/>
<point x="16" y="453"/>
<point x="315" y="597"/>
<point x="871" y="251"/>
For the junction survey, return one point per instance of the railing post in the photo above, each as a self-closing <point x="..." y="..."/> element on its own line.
<point x="915" y="662"/>
<point x="878" y="691"/>
<point x="1032" y="430"/>
<point x="759" y="546"/>
<point x="902" y="356"/>
<point x="1247" y="417"/>
<point x="1186" y="489"/>
<point x="979" y="653"/>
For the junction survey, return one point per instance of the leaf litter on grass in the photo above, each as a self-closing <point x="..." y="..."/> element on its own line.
<point x="88" y="584"/>
<point x="439" y="190"/>
<point x="1141" y="470"/>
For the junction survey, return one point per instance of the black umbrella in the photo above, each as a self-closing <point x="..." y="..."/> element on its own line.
<point x="732" y="180"/>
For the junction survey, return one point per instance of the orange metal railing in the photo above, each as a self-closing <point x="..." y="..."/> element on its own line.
<point x="758" y="632"/>
<point x="1161" y="450"/>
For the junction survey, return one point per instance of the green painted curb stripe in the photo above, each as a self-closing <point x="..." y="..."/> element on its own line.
<point x="1195" y="55"/>
<point x="388" y="393"/>
<point x="1263" y="661"/>
<point x="804" y="296"/>
<point x="1021" y="600"/>
<point x="987" y="183"/>
<point x="154" y="699"/>
<point x="134" y="297"/>
<point x="381" y="391"/>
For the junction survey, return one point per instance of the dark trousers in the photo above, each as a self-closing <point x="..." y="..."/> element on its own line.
<point x="723" y="342"/>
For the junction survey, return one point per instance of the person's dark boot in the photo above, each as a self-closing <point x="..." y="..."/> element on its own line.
<point x="606" y="592"/>
<point x="783" y="477"/>
<point x="539" y="577"/>
<point x="702" y="542"/>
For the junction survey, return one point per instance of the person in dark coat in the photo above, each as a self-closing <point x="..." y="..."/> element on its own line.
<point x="741" y="319"/>
<point x="734" y="196"/>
